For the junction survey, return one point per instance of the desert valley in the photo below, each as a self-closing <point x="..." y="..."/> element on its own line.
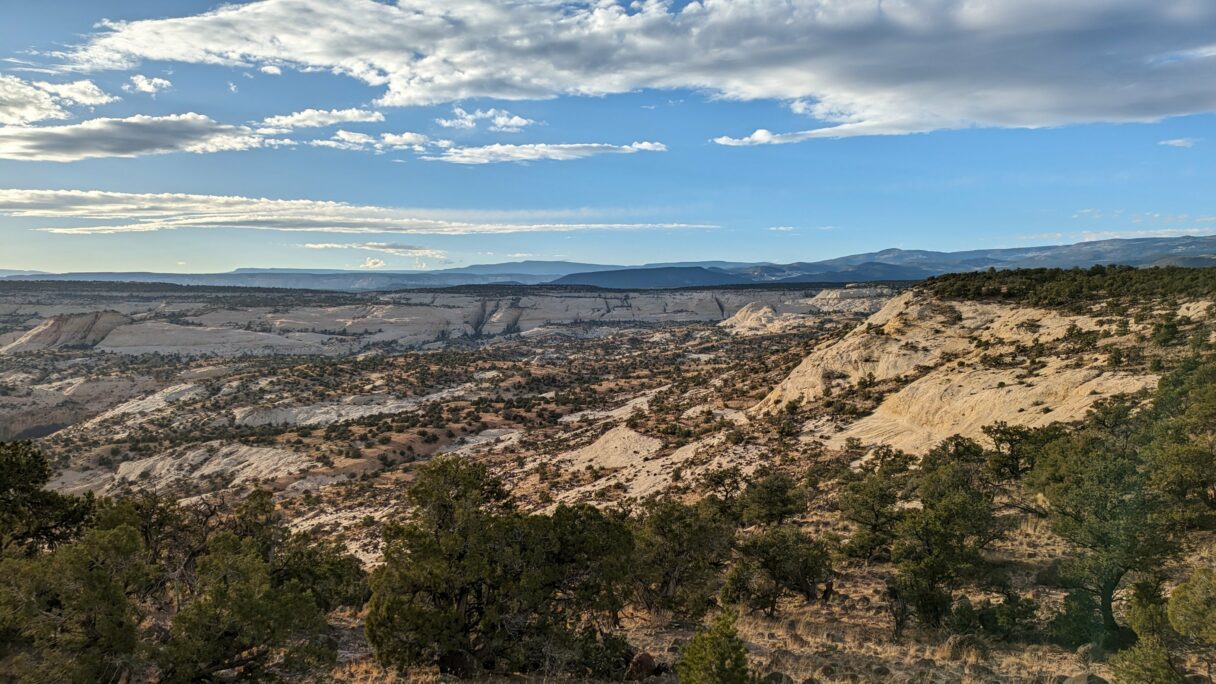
<point x="564" y="341"/>
<point x="332" y="403"/>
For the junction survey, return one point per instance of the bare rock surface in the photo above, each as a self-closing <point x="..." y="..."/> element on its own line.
<point x="67" y="331"/>
<point x="233" y="464"/>
<point x="938" y="350"/>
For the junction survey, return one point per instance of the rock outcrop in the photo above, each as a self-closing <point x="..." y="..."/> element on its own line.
<point x="937" y="351"/>
<point x="215" y="462"/>
<point x="68" y="331"/>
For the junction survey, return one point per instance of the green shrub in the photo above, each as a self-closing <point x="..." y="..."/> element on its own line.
<point x="715" y="655"/>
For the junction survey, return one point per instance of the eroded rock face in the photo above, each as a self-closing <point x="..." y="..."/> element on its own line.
<point x="231" y="464"/>
<point x="617" y="448"/>
<point x="405" y="319"/>
<point x="334" y="412"/>
<point x="167" y="338"/>
<point x="760" y="318"/>
<point x="965" y="400"/>
<point x="68" y="331"/>
<point x="938" y="349"/>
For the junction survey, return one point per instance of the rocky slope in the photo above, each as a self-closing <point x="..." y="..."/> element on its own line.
<point x="67" y="331"/>
<point x="957" y="367"/>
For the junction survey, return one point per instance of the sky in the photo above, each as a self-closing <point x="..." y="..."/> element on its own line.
<point x="186" y="136"/>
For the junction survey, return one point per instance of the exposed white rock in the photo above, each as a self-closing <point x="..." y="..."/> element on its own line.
<point x="617" y="448"/>
<point x="937" y="347"/>
<point x="228" y="464"/>
<point x="336" y="412"/>
<point x="151" y="403"/>
<point x="963" y="401"/>
<point x="638" y="479"/>
<point x="67" y="331"/>
<point x="167" y="338"/>
<point x="639" y="404"/>
<point x="862" y="299"/>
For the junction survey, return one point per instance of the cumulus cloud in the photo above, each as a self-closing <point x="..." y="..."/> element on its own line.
<point x="859" y="67"/>
<point x="85" y="212"/>
<point x="1179" y="142"/>
<point x="355" y="141"/>
<point x="500" y="120"/>
<point x="271" y="70"/>
<point x="77" y="93"/>
<point x="347" y="140"/>
<point x="384" y="247"/>
<point x="406" y="140"/>
<point x="373" y="262"/>
<point x="22" y="102"/>
<point x="490" y="154"/>
<point x="316" y="118"/>
<point x="133" y="136"/>
<point x="144" y="84"/>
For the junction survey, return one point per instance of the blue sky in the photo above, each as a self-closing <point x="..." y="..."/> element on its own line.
<point x="425" y="134"/>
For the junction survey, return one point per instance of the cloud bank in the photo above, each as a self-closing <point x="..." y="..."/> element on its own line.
<point x="490" y="154"/>
<point x="89" y="212"/>
<point x="316" y="118"/>
<point x="858" y="67"/>
<point x="133" y="136"/>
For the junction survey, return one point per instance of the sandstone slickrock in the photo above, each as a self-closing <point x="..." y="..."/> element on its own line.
<point x="334" y="412"/>
<point x="234" y="464"/>
<point x="937" y="348"/>
<point x="405" y="319"/>
<point x="617" y="448"/>
<point x="68" y="331"/>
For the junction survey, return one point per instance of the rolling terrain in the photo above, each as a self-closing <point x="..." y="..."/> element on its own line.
<point x="332" y="403"/>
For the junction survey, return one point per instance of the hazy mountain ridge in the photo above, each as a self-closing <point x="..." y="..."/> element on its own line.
<point x="884" y="265"/>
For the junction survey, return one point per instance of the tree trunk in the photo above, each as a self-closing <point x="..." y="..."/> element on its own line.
<point x="1106" y="597"/>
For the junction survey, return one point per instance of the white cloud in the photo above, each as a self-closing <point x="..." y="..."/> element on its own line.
<point x="782" y="229"/>
<point x="130" y="137"/>
<point x="271" y="69"/>
<point x="22" y="102"/>
<point x="346" y="140"/>
<point x="78" y="93"/>
<point x="373" y="262"/>
<point x="490" y="154"/>
<point x="500" y="120"/>
<point x="859" y="67"/>
<point x="84" y="212"/>
<point x="384" y="247"/>
<point x="232" y="87"/>
<point x="355" y="141"/>
<point x="143" y="84"/>
<point x="406" y="140"/>
<point x="316" y="118"/>
<point x="363" y="142"/>
<point x="1180" y="142"/>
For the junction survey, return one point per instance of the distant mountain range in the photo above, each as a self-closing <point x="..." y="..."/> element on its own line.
<point x="886" y="265"/>
<point x="658" y="277"/>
